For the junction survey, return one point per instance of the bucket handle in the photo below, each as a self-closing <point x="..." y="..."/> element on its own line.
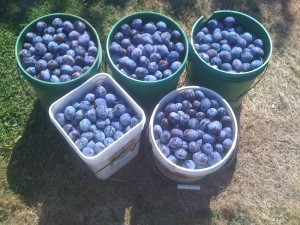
<point x="105" y="60"/>
<point x="261" y="77"/>
<point x="22" y="83"/>
<point x="181" y="84"/>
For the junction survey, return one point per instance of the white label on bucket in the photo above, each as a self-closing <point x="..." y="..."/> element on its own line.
<point x="195" y="187"/>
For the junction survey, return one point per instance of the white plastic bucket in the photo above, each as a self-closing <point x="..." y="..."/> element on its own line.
<point x="175" y="172"/>
<point x="118" y="154"/>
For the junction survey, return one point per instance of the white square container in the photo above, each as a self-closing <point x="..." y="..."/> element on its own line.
<point x="123" y="150"/>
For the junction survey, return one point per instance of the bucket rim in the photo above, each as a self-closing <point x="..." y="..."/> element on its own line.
<point x="22" y="34"/>
<point x="182" y="170"/>
<point x="225" y="74"/>
<point x="164" y="17"/>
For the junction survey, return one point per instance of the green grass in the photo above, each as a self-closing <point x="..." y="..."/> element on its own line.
<point x="42" y="181"/>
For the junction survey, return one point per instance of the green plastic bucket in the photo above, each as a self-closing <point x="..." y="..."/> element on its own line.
<point x="48" y="92"/>
<point x="232" y="86"/>
<point x="147" y="94"/>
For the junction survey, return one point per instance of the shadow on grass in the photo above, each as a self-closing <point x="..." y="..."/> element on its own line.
<point x="10" y="10"/>
<point x="280" y="20"/>
<point x="45" y="172"/>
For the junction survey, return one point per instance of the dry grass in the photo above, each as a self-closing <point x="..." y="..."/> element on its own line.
<point x="262" y="185"/>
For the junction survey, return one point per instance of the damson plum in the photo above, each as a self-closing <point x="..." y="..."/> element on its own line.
<point x="175" y="132"/>
<point x="108" y="141"/>
<point x="165" y="124"/>
<point x="98" y="147"/>
<point x="190" y="135"/>
<point x="209" y="138"/>
<point x="88" y="135"/>
<point x="236" y="52"/>
<point x="204" y="124"/>
<point x="219" y="148"/>
<point x="69" y="112"/>
<point x="189" y="94"/>
<point x="191" y="112"/>
<point x="85" y="124"/>
<point x="91" y="115"/>
<point x="184" y="119"/>
<point x="225" y="56"/>
<point x="222" y="135"/>
<point x="227" y="143"/>
<point x="214" y="127"/>
<point x="81" y="142"/>
<point x="205" y="105"/>
<point x="186" y="105"/>
<point x="68" y="127"/>
<point x="157" y="130"/>
<point x="226" y="121"/>
<point x="165" y="136"/>
<point x="232" y="37"/>
<point x="207" y="148"/>
<point x="189" y="164"/>
<point x="159" y="116"/>
<point x="212" y="113"/>
<point x="175" y="142"/>
<point x="171" y="107"/>
<point x="165" y="150"/>
<point x="193" y="124"/>
<point x="200" y="158"/>
<point x="196" y="105"/>
<point x="226" y="67"/>
<point x="228" y="131"/>
<point x="173" y="118"/>
<point x="181" y="153"/>
<point x="229" y="21"/>
<point x="204" y="56"/>
<point x="173" y="159"/>
<point x="237" y="65"/>
<point x="60" y="118"/>
<point x="194" y="146"/>
<point x="214" y="158"/>
<point x="255" y="64"/>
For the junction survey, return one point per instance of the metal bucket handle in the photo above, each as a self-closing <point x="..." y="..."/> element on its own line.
<point x="17" y="69"/>
<point x="261" y="77"/>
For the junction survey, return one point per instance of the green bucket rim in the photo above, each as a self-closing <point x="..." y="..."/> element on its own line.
<point x="29" y="26"/>
<point x="169" y="20"/>
<point x="225" y="75"/>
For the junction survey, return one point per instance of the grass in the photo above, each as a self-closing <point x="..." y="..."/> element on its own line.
<point x="43" y="182"/>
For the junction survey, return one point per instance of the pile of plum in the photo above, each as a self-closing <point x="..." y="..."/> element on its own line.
<point x="97" y="120"/>
<point x="147" y="51"/>
<point x="228" y="47"/>
<point x="193" y="130"/>
<point x="59" y="51"/>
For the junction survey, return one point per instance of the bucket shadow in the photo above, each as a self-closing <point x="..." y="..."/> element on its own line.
<point x="46" y="173"/>
<point x="10" y="10"/>
<point x="281" y="16"/>
<point x="161" y="202"/>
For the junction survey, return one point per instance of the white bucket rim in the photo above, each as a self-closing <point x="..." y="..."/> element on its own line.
<point x="193" y="172"/>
